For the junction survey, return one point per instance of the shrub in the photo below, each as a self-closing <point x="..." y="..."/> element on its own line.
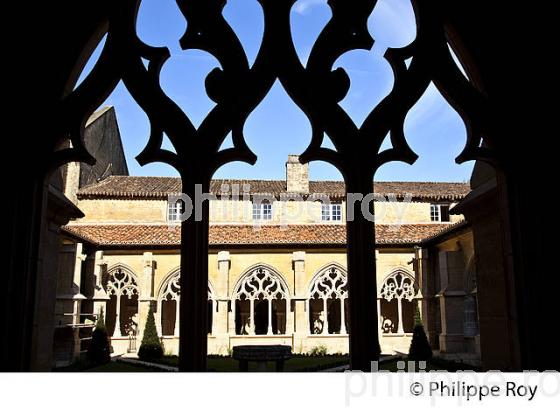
<point x="99" y="351"/>
<point x="151" y="348"/>
<point x="320" y="350"/>
<point x="419" y="346"/>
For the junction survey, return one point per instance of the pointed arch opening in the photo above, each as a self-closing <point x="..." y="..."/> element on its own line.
<point x="328" y="301"/>
<point x="121" y="284"/>
<point x="168" y="301"/>
<point x="260" y="302"/>
<point x="398" y="302"/>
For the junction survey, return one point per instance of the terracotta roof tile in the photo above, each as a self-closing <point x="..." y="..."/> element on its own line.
<point x="161" y="187"/>
<point x="320" y="234"/>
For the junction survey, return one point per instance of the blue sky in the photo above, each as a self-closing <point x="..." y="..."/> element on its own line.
<point x="277" y="127"/>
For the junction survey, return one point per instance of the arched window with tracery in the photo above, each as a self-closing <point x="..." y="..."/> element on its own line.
<point x="398" y="294"/>
<point x="167" y="309"/>
<point x="122" y="307"/>
<point x="260" y="303"/>
<point x="328" y="302"/>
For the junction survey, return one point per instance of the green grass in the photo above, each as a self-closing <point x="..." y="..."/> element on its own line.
<point x="119" y="367"/>
<point x="434" y="364"/>
<point x="301" y="363"/>
<point x="295" y="364"/>
<point x="298" y="363"/>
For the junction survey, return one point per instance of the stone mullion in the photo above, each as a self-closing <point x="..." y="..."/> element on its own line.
<point x="176" y="331"/>
<point x="117" y="331"/>
<point x="342" y="317"/>
<point x="251" y="316"/>
<point x="326" y="317"/>
<point x="269" y="329"/>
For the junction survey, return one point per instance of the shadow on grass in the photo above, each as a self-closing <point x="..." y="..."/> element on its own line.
<point x="298" y="363"/>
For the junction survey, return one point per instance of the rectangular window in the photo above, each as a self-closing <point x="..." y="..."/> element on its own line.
<point x="174" y="210"/>
<point x="331" y="212"/>
<point x="262" y="211"/>
<point x="439" y="213"/>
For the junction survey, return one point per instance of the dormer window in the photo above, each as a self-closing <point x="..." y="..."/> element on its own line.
<point x="331" y="212"/>
<point x="262" y="211"/>
<point x="439" y="213"/>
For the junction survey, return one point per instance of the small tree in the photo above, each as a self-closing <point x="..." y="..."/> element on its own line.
<point x="99" y="351"/>
<point x="419" y="346"/>
<point x="151" y="347"/>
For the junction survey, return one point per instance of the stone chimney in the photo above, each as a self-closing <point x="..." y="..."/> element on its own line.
<point x="297" y="175"/>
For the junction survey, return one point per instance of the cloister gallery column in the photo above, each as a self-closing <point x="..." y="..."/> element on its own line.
<point x="300" y="317"/>
<point x="451" y="301"/>
<point x="100" y="296"/>
<point x="146" y="297"/>
<point x="425" y="293"/>
<point x="77" y="296"/>
<point x="223" y="321"/>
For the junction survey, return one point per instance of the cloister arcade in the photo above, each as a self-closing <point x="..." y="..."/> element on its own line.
<point x="259" y="305"/>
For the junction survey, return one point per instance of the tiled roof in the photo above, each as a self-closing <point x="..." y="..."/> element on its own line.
<point x="320" y="234"/>
<point x="445" y="232"/>
<point x="161" y="187"/>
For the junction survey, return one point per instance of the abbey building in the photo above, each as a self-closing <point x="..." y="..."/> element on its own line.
<point x="276" y="262"/>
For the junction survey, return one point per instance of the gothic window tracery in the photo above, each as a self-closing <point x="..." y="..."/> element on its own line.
<point x="261" y="302"/>
<point x="168" y="306"/>
<point x="122" y="287"/>
<point x="328" y="302"/>
<point x="398" y="294"/>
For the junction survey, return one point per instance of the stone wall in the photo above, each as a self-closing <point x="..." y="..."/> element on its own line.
<point x="447" y="273"/>
<point x="229" y="211"/>
<point x="296" y="267"/>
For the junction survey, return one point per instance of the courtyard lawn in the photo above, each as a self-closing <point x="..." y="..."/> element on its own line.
<point x="119" y="367"/>
<point x="113" y="366"/>
<point x="295" y="364"/>
<point x="313" y="364"/>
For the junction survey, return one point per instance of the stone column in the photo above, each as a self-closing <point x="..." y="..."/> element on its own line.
<point x="451" y="300"/>
<point x="300" y="294"/>
<point x="117" y="331"/>
<point x="400" y="329"/>
<point x="100" y="296"/>
<point x="289" y="317"/>
<point x="379" y="324"/>
<point x="325" y="317"/>
<point x="158" y="317"/>
<point x="223" y="322"/>
<point x="269" y="328"/>
<point x="177" y="313"/>
<point x="378" y="303"/>
<point x="76" y="320"/>
<point x="427" y="304"/>
<point x="146" y="293"/>
<point x="231" y="320"/>
<point x="252" y="316"/>
<point x="342" y="317"/>
<point x="219" y="317"/>
<point x="299" y="318"/>
<point x="77" y="297"/>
